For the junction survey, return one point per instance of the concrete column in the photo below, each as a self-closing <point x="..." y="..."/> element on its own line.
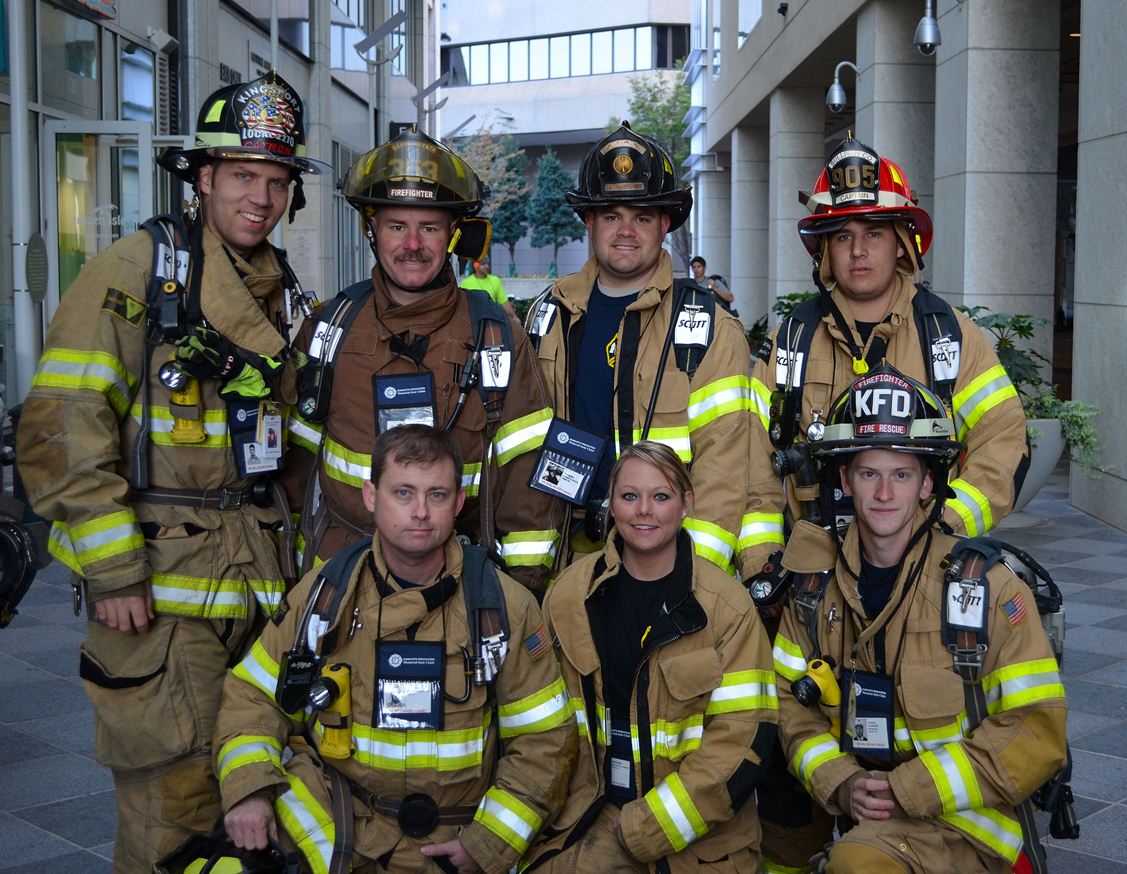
<point x="996" y="155"/>
<point x="1101" y="258"/>
<point x="896" y="94"/>
<point x="750" y="167"/>
<point x="797" y="154"/>
<point x="713" y="240"/>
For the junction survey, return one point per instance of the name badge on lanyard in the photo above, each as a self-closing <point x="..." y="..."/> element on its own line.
<point x="255" y="428"/>
<point x="409" y="680"/>
<point x="403" y="400"/>
<point x="567" y="462"/>
<point x="866" y="726"/>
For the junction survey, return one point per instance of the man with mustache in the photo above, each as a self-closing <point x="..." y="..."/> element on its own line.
<point x="409" y="346"/>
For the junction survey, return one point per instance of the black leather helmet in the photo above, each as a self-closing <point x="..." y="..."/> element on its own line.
<point x="628" y="168"/>
<point x="414" y="170"/>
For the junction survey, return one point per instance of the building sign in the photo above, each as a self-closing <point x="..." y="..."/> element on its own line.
<point x="105" y="8"/>
<point x="229" y="75"/>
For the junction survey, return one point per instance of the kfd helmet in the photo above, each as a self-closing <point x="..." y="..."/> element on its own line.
<point x="884" y="409"/>
<point x="628" y="168"/>
<point x="413" y="170"/>
<point x="859" y="184"/>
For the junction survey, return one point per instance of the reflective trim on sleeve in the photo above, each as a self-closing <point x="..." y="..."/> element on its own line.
<point x="760" y="528"/>
<point x="249" y="750"/>
<point x="675" y="812"/>
<point x="902" y="738"/>
<point x="813" y="753"/>
<point x="933" y="738"/>
<point x="972" y="506"/>
<point x="984" y="392"/>
<point x="509" y="818"/>
<point x="97" y="539"/>
<point x="673" y="740"/>
<point x="304" y="433"/>
<point x="790" y="663"/>
<point x="954" y="778"/>
<point x="999" y="832"/>
<point x="471" y="478"/>
<point x="79" y="370"/>
<point x="308" y="823"/>
<point x="1022" y="684"/>
<point x="761" y="402"/>
<point x="529" y="548"/>
<point x="521" y="435"/>
<point x="541" y="711"/>
<point x="206" y="598"/>
<point x="59" y="545"/>
<point x="744" y="690"/>
<point x="342" y="464"/>
<point x="259" y="669"/>
<point x="711" y="541"/>
<point x="718" y="398"/>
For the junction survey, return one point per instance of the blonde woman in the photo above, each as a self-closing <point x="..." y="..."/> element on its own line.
<point x="671" y="679"/>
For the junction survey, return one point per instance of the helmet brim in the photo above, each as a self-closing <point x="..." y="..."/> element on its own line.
<point x="812" y="227"/>
<point x="185" y="163"/>
<point x="677" y="205"/>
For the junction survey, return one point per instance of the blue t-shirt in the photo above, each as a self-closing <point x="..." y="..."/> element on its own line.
<point x="592" y="404"/>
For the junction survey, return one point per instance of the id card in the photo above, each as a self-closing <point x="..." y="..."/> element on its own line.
<point x="866" y="725"/>
<point x="403" y="400"/>
<point x="409" y="684"/>
<point x="567" y="462"/>
<point x="244" y="423"/>
<point x="621" y="759"/>
<point x="269" y="431"/>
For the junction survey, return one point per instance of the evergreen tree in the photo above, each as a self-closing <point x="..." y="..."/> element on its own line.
<point x="552" y="219"/>
<point x="509" y="204"/>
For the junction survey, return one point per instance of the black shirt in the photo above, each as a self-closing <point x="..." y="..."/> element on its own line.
<point x="875" y="587"/>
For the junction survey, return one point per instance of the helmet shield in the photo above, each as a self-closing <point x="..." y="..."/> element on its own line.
<point x="259" y="120"/>
<point x="413" y="170"/>
<point x="630" y="169"/>
<point x="884" y="409"/>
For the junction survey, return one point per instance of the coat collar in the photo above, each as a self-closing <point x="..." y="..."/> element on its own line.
<point x="234" y="292"/>
<point x="426" y="312"/>
<point x="573" y="292"/>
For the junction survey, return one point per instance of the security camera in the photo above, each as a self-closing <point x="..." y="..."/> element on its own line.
<point x="835" y="98"/>
<point x="162" y="40"/>
<point x="927" y="36"/>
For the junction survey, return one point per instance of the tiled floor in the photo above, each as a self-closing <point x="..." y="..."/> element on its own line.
<point x="56" y="803"/>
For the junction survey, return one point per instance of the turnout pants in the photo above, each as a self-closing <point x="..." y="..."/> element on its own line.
<point x="909" y="846"/>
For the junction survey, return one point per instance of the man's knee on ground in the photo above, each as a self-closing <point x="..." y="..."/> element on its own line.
<point x="850" y="857"/>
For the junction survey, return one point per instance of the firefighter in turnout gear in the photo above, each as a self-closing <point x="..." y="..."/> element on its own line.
<point x="949" y="708"/>
<point x="409" y="760"/>
<point x="867" y="238"/>
<point x="630" y="354"/>
<point x="669" y="673"/>
<point x="409" y="346"/>
<point x="143" y="439"/>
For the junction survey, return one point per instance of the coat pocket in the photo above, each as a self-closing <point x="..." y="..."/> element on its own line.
<point x="933" y="704"/>
<point x="691" y="675"/>
<point x="142" y="718"/>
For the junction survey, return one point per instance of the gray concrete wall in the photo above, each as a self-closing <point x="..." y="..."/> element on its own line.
<point x="713" y="240"/>
<point x="996" y="156"/>
<point x="750" y="189"/>
<point x="1101" y="257"/>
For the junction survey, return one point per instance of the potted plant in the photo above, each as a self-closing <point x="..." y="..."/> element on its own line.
<point x="1053" y="423"/>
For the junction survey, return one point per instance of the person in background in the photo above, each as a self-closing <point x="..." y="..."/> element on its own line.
<point x="488" y="282"/>
<point x="714" y="283"/>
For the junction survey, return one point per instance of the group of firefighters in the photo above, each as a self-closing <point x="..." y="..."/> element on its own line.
<point x="423" y="589"/>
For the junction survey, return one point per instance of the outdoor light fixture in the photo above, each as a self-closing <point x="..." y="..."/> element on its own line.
<point x="835" y="97"/>
<point x="162" y="40"/>
<point x="927" y="31"/>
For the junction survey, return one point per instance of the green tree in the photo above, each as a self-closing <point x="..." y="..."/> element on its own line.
<point x="492" y="158"/>
<point x="509" y="211"/>
<point x="552" y="219"/>
<point x="658" y="104"/>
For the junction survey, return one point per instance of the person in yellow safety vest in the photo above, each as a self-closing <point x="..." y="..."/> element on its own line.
<point x="867" y="237"/>
<point x="879" y="717"/>
<point x="426" y="760"/>
<point x="670" y="676"/>
<point x="632" y="354"/>
<point x="413" y="350"/>
<point x="483" y="280"/>
<point x="144" y="439"/>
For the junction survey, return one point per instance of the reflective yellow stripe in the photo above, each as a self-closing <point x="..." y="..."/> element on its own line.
<point x="521" y="435"/>
<point x="59" y="545"/>
<point x="99" y="538"/>
<point x="529" y="548"/>
<point x="985" y="392"/>
<point x="744" y="690"/>
<point x="471" y="478"/>
<point x="249" y="750"/>
<point x="540" y="711"/>
<point x="813" y="753"/>
<point x="308" y="823"/>
<point x="675" y="812"/>
<point x="790" y="663"/>
<point x="761" y="402"/>
<point x="954" y="778"/>
<point x="999" y="832"/>
<point x="711" y="541"/>
<point x="342" y="464"/>
<point x="212" y="599"/>
<point x="770" y="867"/>
<point x="676" y="438"/>
<point x="934" y="738"/>
<point x="972" y="506"/>
<point x="672" y="740"/>
<point x="509" y="818"/>
<point x="419" y="749"/>
<point x="1022" y="684"/>
<point x="718" y="398"/>
<point x="760" y="528"/>
<point x="79" y="370"/>
<point x="902" y="738"/>
<point x="304" y="433"/>
<point x="161" y="422"/>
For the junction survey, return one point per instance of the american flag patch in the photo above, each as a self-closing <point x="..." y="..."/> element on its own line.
<point x="538" y="642"/>
<point x="1014" y="610"/>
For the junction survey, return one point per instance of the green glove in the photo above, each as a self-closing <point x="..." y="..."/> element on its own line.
<point x="205" y="353"/>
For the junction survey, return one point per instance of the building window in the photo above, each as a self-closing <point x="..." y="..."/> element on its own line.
<point x="293" y="20"/>
<point x="398" y="37"/>
<point x="347" y="25"/>
<point x="69" y="58"/>
<point x="353" y="253"/>
<point x="138" y="83"/>
<point x="591" y="53"/>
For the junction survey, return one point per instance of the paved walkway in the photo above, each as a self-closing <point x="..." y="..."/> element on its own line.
<point x="56" y="803"/>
